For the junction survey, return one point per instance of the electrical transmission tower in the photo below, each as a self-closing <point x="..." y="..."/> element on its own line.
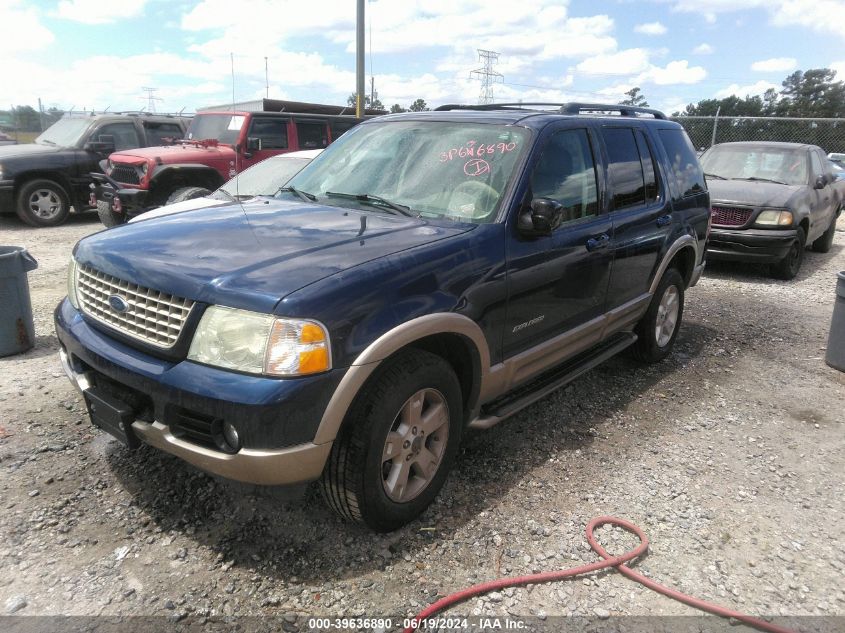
<point x="151" y="100"/>
<point x="487" y="75"/>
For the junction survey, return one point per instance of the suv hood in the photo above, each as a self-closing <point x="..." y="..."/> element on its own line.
<point x="169" y="154"/>
<point x="28" y="149"/>
<point x="251" y="256"/>
<point x="753" y="193"/>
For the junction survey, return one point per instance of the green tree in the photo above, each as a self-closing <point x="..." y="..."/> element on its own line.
<point x="813" y="93"/>
<point x="418" y="106"/>
<point x="396" y="108"/>
<point x="352" y="100"/>
<point x="635" y="98"/>
<point x="27" y="118"/>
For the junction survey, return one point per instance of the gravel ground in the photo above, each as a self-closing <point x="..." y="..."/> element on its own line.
<point x="730" y="454"/>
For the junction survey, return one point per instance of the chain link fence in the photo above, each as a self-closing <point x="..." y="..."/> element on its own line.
<point x="704" y="131"/>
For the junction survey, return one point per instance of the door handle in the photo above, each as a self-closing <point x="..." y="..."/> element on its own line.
<point x="663" y="220"/>
<point x="595" y="243"/>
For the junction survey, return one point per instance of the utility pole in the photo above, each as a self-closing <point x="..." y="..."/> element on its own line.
<point x="373" y="93"/>
<point x="40" y="115"/>
<point x="487" y="75"/>
<point x="151" y="99"/>
<point x="359" y="61"/>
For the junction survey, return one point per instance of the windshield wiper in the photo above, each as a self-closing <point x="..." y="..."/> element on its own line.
<point x="716" y="176"/>
<point x="308" y="197"/>
<point x="48" y="142"/>
<point x="365" y="197"/>
<point x="758" y="179"/>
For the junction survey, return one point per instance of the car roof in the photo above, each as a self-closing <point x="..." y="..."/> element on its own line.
<point x="529" y="115"/>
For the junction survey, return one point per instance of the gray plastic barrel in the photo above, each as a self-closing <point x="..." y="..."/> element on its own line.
<point x="835" y="356"/>
<point x="17" y="332"/>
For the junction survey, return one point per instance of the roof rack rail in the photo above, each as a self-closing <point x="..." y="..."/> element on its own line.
<point x="563" y="108"/>
<point x="624" y="110"/>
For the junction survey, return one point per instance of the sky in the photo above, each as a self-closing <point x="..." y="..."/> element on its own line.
<point x="98" y="54"/>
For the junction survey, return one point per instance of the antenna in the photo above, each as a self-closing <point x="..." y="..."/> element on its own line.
<point x="266" y="78"/>
<point x="232" y="60"/>
<point x="151" y="99"/>
<point x="487" y="75"/>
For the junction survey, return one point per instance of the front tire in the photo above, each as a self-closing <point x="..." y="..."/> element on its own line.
<point x="398" y="443"/>
<point x="187" y="193"/>
<point x="788" y="267"/>
<point x="107" y="216"/>
<point x="658" y="329"/>
<point x="42" y="203"/>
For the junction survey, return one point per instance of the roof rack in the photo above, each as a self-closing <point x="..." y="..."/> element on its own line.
<point x="562" y="108"/>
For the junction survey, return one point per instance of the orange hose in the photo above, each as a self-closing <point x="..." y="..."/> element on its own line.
<point x="608" y="561"/>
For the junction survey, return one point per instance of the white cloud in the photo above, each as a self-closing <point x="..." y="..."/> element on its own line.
<point x="703" y="49"/>
<point x="754" y="89"/>
<point x="677" y="72"/>
<point x="98" y="11"/>
<point x="20" y="30"/>
<point x="650" y="28"/>
<point x="775" y="64"/>
<point x="839" y="69"/>
<point x="627" y="62"/>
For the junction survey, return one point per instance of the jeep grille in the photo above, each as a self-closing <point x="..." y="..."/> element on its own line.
<point x="151" y="316"/>
<point x="126" y="174"/>
<point x="730" y="216"/>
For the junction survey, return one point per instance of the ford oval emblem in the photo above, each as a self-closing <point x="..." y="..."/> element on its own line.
<point x="118" y="304"/>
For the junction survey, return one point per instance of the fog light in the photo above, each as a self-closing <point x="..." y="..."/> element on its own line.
<point x="230" y="436"/>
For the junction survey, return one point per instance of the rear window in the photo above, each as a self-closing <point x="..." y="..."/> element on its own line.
<point x="685" y="175"/>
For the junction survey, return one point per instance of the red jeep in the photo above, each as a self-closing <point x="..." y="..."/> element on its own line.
<point x="217" y="146"/>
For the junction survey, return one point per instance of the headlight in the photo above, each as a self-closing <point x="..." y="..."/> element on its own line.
<point x="71" y="283"/>
<point x="774" y="217"/>
<point x="145" y="168"/>
<point x="260" y="343"/>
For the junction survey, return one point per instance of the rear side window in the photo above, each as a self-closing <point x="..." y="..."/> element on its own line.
<point x="625" y="168"/>
<point x="685" y="175"/>
<point x="123" y="135"/>
<point x="159" y="133"/>
<point x="311" y="135"/>
<point x="273" y="133"/>
<point x="649" y="167"/>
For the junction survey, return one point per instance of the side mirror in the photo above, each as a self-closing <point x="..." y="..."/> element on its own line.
<point x="253" y="144"/>
<point x="543" y="217"/>
<point x="821" y="182"/>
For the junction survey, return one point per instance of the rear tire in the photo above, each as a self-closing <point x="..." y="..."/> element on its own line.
<point x="187" y="193"/>
<point x="108" y="217"/>
<point x="825" y="241"/>
<point x="658" y="329"/>
<point x="788" y="267"/>
<point x="43" y="203"/>
<point x="397" y="444"/>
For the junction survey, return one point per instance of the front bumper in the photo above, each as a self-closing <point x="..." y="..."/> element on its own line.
<point x="132" y="201"/>
<point x="276" y="418"/>
<point x="762" y="246"/>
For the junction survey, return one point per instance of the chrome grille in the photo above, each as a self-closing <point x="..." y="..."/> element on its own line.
<point x="153" y="317"/>
<point x="730" y="216"/>
<point x="126" y="174"/>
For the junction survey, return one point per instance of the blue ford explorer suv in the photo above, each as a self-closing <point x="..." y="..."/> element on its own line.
<point x="427" y="273"/>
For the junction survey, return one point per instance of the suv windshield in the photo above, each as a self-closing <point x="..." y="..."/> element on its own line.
<point x="263" y="179"/>
<point x="434" y="168"/>
<point x="64" y="132"/>
<point x="783" y="165"/>
<point x="221" y="127"/>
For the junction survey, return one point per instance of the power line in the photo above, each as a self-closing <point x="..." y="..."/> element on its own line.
<point x="487" y="75"/>
<point x="151" y="100"/>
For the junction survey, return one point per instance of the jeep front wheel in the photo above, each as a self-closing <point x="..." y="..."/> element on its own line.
<point x="43" y="203"/>
<point x="398" y="443"/>
<point x="187" y="193"/>
<point x="107" y="216"/>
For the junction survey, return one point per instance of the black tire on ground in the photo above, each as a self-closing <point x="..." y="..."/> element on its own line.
<point x="414" y="393"/>
<point x="789" y="266"/>
<point x="107" y="216"/>
<point x="658" y="329"/>
<point x="825" y="241"/>
<point x="187" y="193"/>
<point x="42" y="202"/>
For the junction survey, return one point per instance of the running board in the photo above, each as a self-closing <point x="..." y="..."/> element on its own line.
<point x="517" y="399"/>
